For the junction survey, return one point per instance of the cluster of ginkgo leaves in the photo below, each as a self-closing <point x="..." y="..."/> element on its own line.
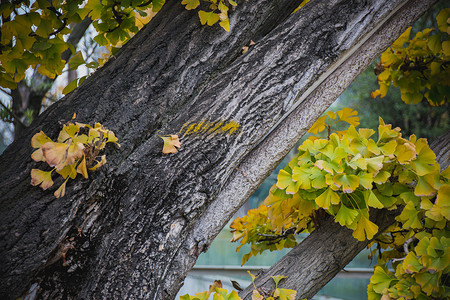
<point x="33" y="32"/>
<point x="257" y="294"/>
<point x="347" y="175"/>
<point x="76" y="151"/>
<point x="420" y="66"/>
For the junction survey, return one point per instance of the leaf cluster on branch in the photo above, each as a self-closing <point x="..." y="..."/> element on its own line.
<point x="76" y="150"/>
<point x="347" y="175"/>
<point x="418" y="66"/>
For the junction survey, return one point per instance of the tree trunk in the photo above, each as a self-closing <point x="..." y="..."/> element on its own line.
<point x="135" y="227"/>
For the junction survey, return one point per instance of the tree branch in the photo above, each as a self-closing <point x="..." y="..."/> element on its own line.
<point x="16" y="118"/>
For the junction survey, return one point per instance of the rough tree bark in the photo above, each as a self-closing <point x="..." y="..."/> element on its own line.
<point x="145" y="216"/>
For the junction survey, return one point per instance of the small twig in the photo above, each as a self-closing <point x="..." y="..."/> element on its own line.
<point x="16" y="118"/>
<point x="405" y="248"/>
<point x="5" y="91"/>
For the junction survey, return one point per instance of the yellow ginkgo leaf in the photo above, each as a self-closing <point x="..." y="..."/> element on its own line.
<point x="171" y="143"/>
<point x="61" y="191"/>
<point x="327" y="198"/>
<point x="190" y="4"/>
<point x="209" y="18"/>
<point x="39" y="139"/>
<point x="318" y="126"/>
<point x="68" y="132"/>
<point x="349" y="115"/>
<point x="367" y="227"/>
<point x="41" y="177"/>
<point x="82" y="168"/>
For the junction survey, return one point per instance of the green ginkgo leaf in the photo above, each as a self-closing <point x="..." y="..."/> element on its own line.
<point x="284" y="179"/>
<point x="372" y="200"/>
<point x="348" y="183"/>
<point x="410" y="217"/>
<point x="346" y="216"/>
<point x="381" y="280"/>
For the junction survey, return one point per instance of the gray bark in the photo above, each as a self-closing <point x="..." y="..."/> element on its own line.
<point x="146" y="216"/>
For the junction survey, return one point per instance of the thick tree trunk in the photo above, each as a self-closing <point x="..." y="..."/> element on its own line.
<point x="146" y="216"/>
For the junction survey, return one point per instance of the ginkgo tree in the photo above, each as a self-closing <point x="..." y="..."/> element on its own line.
<point x="134" y="227"/>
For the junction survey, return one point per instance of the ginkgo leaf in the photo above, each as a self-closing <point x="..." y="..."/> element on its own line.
<point x="349" y="115"/>
<point x="348" y="183"/>
<point x="256" y="295"/>
<point x="441" y="207"/>
<point x="381" y="177"/>
<point x="191" y="4"/>
<point x="277" y="279"/>
<point x="381" y="280"/>
<point x="411" y="264"/>
<point x="365" y="226"/>
<point x="74" y="152"/>
<point x="366" y="132"/>
<point x="68" y="131"/>
<point x="171" y="143"/>
<point x="284" y="179"/>
<point x="293" y="187"/>
<point x="366" y="180"/>
<point x="324" y="165"/>
<point x="424" y="187"/>
<point x="346" y="216"/>
<point x="358" y="162"/>
<point x="68" y="171"/>
<point x="405" y="152"/>
<point x="403" y="38"/>
<point x="374" y="164"/>
<point x="39" y="139"/>
<point x="302" y="176"/>
<point x="209" y="18"/>
<point x="61" y="191"/>
<point x="318" y="126"/>
<point x="410" y="217"/>
<point x="388" y="149"/>
<point x="327" y="198"/>
<point x="76" y="60"/>
<point x="372" y="200"/>
<point x="55" y="153"/>
<point x="42" y="178"/>
<point x="285" y="294"/>
<point x="82" y="168"/>
<point x="225" y="24"/>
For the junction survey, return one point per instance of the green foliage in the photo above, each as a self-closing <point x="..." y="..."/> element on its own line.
<point x="418" y="66"/>
<point x="32" y="32"/>
<point x="77" y="150"/>
<point x="348" y="175"/>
